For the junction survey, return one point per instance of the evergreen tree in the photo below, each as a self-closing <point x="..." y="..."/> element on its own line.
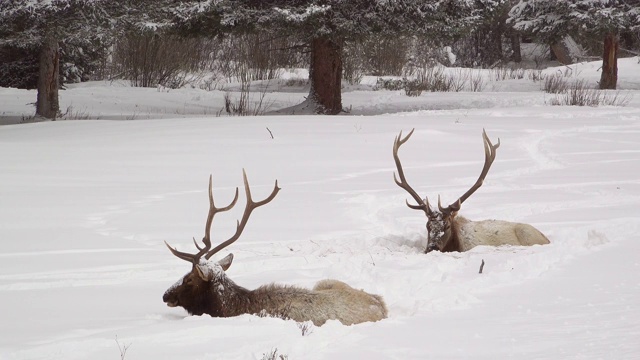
<point x="550" y="20"/>
<point x="324" y="25"/>
<point x="41" y="26"/>
<point x="18" y="67"/>
<point x="485" y="44"/>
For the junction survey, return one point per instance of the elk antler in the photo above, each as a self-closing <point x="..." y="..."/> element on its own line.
<point x="213" y="210"/>
<point x="489" y="156"/>
<point x="251" y="205"/>
<point x="206" y="240"/>
<point x="422" y="205"/>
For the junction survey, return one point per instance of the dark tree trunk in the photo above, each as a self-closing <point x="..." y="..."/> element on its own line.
<point x="47" y="104"/>
<point x="552" y="55"/>
<point x="326" y="75"/>
<point x="515" y="47"/>
<point x="609" y="77"/>
<point x="497" y="43"/>
<point x="514" y="36"/>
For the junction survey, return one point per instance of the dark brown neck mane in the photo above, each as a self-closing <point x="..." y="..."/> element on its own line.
<point x="454" y="242"/>
<point x="273" y="300"/>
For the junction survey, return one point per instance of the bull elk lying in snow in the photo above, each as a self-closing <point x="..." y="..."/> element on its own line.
<point x="446" y="231"/>
<point x="206" y="289"/>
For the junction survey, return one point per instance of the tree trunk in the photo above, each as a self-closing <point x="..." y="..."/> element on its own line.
<point x="47" y="104"/>
<point x="552" y="55"/>
<point x="326" y="75"/>
<point x="497" y="43"/>
<point x="609" y="77"/>
<point x="515" y="47"/>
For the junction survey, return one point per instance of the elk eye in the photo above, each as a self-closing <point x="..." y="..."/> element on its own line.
<point x="188" y="281"/>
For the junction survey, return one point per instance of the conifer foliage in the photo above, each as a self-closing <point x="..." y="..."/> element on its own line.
<point x="550" y="20"/>
<point x="42" y="27"/>
<point x="325" y="25"/>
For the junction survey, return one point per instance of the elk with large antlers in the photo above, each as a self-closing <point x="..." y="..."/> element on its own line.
<point x="206" y="289"/>
<point x="447" y="231"/>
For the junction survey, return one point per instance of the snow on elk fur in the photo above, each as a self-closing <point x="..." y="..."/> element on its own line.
<point x="446" y="231"/>
<point x="206" y="289"/>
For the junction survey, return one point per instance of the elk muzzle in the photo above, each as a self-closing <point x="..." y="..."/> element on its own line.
<point x="431" y="247"/>
<point x="169" y="299"/>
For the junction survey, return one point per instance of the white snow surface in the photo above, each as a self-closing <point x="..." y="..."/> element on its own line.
<point x="85" y="206"/>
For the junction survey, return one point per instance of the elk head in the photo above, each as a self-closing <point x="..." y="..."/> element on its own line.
<point x="440" y="230"/>
<point x="199" y="291"/>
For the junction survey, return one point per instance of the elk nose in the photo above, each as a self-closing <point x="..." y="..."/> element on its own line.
<point x="430" y="248"/>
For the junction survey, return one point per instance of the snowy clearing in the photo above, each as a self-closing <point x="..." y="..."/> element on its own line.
<point x="85" y="206"/>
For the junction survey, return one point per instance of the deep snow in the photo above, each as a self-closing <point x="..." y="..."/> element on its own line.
<point x="86" y="205"/>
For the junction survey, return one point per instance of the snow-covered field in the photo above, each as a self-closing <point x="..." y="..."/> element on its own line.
<point x="85" y="206"/>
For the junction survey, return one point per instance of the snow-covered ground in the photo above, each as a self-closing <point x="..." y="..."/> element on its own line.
<point x="85" y="206"/>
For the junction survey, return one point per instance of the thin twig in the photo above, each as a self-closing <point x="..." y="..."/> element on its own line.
<point x="270" y="133"/>
<point x="481" y="267"/>
<point x="123" y="348"/>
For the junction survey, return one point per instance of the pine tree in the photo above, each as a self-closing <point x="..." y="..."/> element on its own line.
<point x="325" y="25"/>
<point x="550" y="20"/>
<point x="485" y="43"/>
<point x="40" y="26"/>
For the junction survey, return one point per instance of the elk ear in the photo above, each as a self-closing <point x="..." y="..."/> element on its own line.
<point x="225" y="263"/>
<point x="204" y="272"/>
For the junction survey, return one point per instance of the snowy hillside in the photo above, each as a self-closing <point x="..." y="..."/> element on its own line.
<point x="85" y="206"/>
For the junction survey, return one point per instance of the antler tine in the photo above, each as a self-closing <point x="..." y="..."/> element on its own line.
<point x="182" y="255"/>
<point x="489" y="157"/>
<point x="403" y="181"/>
<point x="196" y="244"/>
<point x="213" y="210"/>
<point x="206" y="240"/>
<point x="251" y="205"/>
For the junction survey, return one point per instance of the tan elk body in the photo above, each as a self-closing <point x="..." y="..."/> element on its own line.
<point x="207" y="289"/>
<point x="448" y="231"/>
<point x="469" y="234"/>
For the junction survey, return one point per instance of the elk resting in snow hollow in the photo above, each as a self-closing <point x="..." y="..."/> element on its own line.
<point x="447" y="231"/>
<point x="207" y="289"/>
